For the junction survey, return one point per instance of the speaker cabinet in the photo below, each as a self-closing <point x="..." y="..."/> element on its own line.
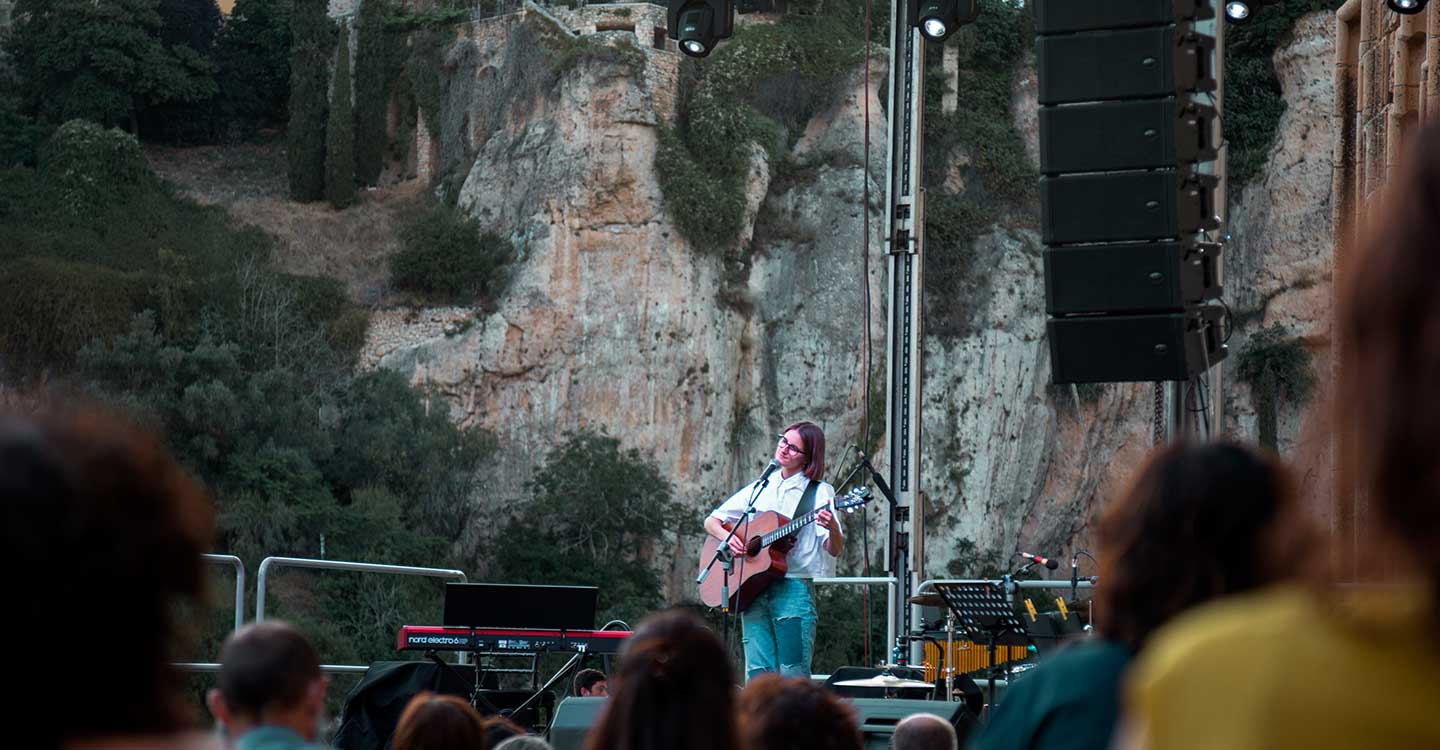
<point x="1068" y="16"/>
<point x="1125" y="64"/>
<point x="878" y="717"/>
<point x="1131" y="348"/>
<point x="1125" y="206"/>
<point x="573" y="719"/>
<point x="1113" y="136"/>
<point x="1129" y="278"/>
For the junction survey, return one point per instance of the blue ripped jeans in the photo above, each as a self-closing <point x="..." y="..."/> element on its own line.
<point x="779" y="629"/>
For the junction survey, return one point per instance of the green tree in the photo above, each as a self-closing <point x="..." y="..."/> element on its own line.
<point x="253" y="55"/>
<point x="340" y="131"/>
<point x="311" y="38"/>
<point x="102" y="61"/>
<point x="372" y="76"/>
<point x="597" y="515"/>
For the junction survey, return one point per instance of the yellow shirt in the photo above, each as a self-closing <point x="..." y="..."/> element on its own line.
<point x="1280" y="669"/>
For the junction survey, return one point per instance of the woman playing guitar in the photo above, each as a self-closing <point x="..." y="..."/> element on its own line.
<point x="779" y="625"/>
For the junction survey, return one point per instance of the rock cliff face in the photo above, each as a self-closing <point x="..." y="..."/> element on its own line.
<point x="1279" y="259"/>
<point x="613" y="322"/>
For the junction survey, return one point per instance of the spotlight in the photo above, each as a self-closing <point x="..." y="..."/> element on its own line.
<point x="697" y="25"/>
<point x="1238" y="11"/>
<point x="1407" y="7"/>
<point x="938" y="19"/>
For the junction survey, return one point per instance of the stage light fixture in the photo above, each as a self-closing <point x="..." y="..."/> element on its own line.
<point x="698" y="25"/>
<point x="938" y="19"/>
<point x="1407" y="7"/>
<point x="1238" y="11"/>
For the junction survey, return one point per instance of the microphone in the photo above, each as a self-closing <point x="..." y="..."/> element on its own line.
<point x="1074" y="576"/>
<point x="769" y="469"/>
<point x="1047" y="562"/>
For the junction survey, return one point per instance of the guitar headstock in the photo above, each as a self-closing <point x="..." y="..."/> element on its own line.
<point x="855" y="498"/>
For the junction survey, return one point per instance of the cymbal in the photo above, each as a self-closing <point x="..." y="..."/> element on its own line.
<point x="885" y="681"/>
<point x="927" y="600"/>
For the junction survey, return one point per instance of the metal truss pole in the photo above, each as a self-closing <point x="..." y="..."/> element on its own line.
<point x="904" y="225"/>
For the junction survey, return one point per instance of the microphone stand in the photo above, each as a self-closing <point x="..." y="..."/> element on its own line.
<point x="726" y="558"/>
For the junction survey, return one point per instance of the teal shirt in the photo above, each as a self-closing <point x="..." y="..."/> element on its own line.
<point x="274" y="738"/>
<point x="1068" y="702"/>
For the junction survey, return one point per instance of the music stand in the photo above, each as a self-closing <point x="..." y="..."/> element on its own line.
<point x="984" y="611"/>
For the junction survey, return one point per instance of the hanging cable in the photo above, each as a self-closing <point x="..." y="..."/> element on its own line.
<point x="865" y="315"/>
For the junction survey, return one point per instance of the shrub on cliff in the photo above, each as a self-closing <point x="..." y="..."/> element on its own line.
<point x="447" y="259"/>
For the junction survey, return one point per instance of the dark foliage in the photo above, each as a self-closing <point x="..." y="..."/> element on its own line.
<point x="447" y="259"/>
<point x="1252" y="92"/>
<point x="597" y="514"/>
<point x="340" y="131"/>
<point x="104" y="62"/>
<point x="312" y="41"/>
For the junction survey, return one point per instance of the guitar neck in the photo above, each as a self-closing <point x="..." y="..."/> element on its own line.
<point x="790" y="528"/>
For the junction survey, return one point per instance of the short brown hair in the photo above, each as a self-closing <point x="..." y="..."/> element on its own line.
<point x="432" y="721"/>
<point x="266" y="665"/>
<point x="780" y="713"/>
<point x="814" y="448"/>
<point x="104" y="530"/>
<point x="1196" y="525"/>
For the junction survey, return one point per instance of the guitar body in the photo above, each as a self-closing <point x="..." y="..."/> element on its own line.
<point x="752" y="573"/>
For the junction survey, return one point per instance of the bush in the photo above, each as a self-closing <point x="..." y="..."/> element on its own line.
<point x="86" y="167"/>
<point x="340" y="132"/>
<point x="446" y="259"/>
<point x="52" y="307"/>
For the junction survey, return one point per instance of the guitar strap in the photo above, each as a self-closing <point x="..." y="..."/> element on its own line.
<point x="807" y="500"/>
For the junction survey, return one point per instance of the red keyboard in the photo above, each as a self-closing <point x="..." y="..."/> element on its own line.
<point x="501" y="640"/>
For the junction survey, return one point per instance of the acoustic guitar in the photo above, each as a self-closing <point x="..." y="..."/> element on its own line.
<point x="768" y="538"/>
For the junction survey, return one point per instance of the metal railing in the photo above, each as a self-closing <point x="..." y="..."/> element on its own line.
<point x="890" y="583"/>
<point x="239" y="567"/>
<point x="208" y="666"/>
<point x="301" y="562"/>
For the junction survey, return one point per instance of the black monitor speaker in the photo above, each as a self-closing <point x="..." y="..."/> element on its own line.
<point x="573" y="719"/>
<point x="878" y="717"/>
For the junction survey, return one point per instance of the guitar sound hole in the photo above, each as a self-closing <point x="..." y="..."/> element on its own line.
<point x="753" y="547"/>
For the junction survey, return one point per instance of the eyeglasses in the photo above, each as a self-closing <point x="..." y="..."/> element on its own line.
<point x="787" y="447"/>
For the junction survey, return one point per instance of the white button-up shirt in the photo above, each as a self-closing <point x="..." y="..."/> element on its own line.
<point x="808" y="558"/>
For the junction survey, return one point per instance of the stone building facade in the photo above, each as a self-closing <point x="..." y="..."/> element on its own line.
<point x="1387" y="83"/>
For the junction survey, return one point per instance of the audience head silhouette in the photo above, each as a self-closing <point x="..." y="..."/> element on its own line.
<point x="674" y="687"/>
<point x="1389" y="330"/>
<point x="439" y="722"/>
<point x="778" y="713"/>
<point x="924" y="732"/>
<point x="269" y="676"/>
<point x="104" y="531"/>
<point x="1197" y="524"/>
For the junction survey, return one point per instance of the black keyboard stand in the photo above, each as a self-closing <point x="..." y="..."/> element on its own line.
<point x="477" y="696"/>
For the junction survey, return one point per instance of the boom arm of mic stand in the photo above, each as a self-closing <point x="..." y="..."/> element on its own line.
<point x="875" y="477"/>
